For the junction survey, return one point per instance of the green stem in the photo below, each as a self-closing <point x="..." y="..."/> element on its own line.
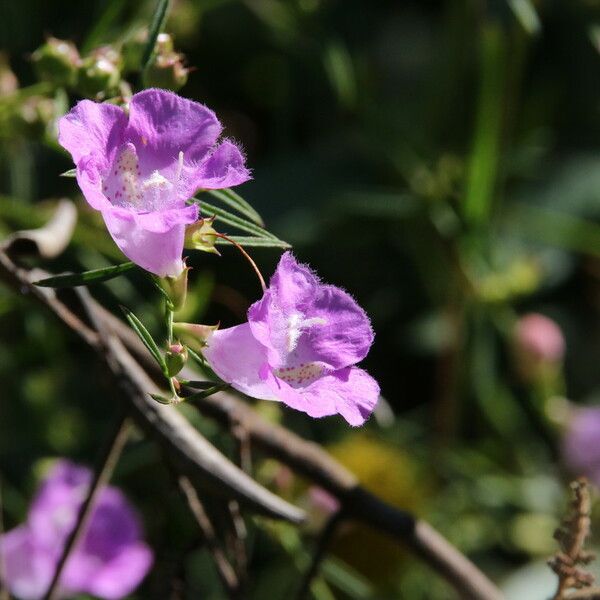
<point x="169" y="321"/>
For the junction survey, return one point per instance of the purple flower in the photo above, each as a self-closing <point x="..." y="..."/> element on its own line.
<point x="110" y="559"/>
<point x="138" y="170"/>
<point x="299" y="346"/>
<point x="581" y="443"/>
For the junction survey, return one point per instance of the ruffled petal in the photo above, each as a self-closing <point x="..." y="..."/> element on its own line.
<point x="238" y="358"/>
<point x="157" y="252"/>
<point x="350" y="392"/>
<point x="301" y="320"/>
<point x="225" y="167"/>
<point x="92" y="128"/>
<point x="344" y="334"/>
<point x="163" y="124"/>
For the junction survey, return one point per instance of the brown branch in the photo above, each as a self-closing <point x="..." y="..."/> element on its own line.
<point x="224" y="569"/>
<point x="102" y="475"/>
<point x="311" y="461"/>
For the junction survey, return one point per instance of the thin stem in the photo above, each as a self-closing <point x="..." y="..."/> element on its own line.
<point x="224" y="568"/>
<point x="101" y="478"/>
<point x="247" y="257"/>
<point x="325" y="537"/>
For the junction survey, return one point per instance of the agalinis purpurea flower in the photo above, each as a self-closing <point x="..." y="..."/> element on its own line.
<point x="139" y="169"/>
<point x="299" y="346"/>
<point x="109" y="561"/>
<point x="581" y="443"/>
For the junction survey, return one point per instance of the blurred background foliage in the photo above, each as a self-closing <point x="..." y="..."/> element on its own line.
<point x="437" y="159"/>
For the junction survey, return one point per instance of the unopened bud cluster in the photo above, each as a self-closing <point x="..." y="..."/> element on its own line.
<point x="100" y="74"/>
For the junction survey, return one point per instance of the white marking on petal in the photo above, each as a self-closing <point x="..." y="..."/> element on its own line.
<point x="296" y="325"/>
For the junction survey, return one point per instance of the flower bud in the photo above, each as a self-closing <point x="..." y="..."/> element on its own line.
<point x="99" y="73"/>
<point x="175" y="358"/>
<point x="193" y="335"/>
<point x="581" y="443"/>
<point x="202" y="236"/>
<point x="166" y="71"/>
<point x="57" y="62"/>
<point x="539" y="346"/>
<point x="175" y="288"/>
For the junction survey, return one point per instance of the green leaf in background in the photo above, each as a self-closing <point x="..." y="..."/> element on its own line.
<point x="85" y="278"/>
<point x="69" y="173"/>
<point x="483" y="166"/>
<point x="555" y="228"/>
<point x="158" y="22"/>
<point x="146" y="338"/>
<point x="235" y="201"/>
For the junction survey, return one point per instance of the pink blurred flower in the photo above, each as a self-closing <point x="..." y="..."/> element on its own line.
<point x="139" y="168"/>
<point x="109" y="561"/>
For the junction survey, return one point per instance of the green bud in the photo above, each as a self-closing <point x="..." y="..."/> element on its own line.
<point x="202" y="236"/>
<point x="99" y="73"/>
<point x="175" y="358"/>
<point x="175" y="288"/>
<point x="166" y="71"/>
<point x="164" y="44"/>
<point x="194" y="335"/>
<point x="57" y="62"/>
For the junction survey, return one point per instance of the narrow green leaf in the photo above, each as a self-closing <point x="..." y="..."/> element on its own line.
<point x="236" y="202"/>
<point x="254" y="242"/>
<point x="233" y="220"/>
<point x="85" y="278"/>
<point x="218" y="387"/>
<point x="158" y="22"/>
<point x="146" y="338"/>
<point x="69" y="173"/>
<point x="483" y="162"/>
<point x="102" y="25"/>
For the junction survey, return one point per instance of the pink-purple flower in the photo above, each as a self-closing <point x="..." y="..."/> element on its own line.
<point x="581" y="443"/>
<point x="299" y="346"/>
<point x="110" y="560"/>
<point x="139" y="169"/>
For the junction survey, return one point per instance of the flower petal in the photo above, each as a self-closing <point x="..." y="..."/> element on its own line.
<point x="136" y="235"/>
<point x="301" y="320"/>
<point x="89" y="178"/>
<point x="26" y="568"/>
<point x="162" y="124"/>
<point x="350" y="392"/>
<point x="225" y="167"/>
<point x="123" y="574"/>
<point x="237" y="358"/>
<point x="92" y="128"/>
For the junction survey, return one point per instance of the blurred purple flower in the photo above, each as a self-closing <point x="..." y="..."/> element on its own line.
<point x="138" y="170"/>
<point x="110" y="559"/>
<point x="299" y="346"/>
<point x="581" y="443"/>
